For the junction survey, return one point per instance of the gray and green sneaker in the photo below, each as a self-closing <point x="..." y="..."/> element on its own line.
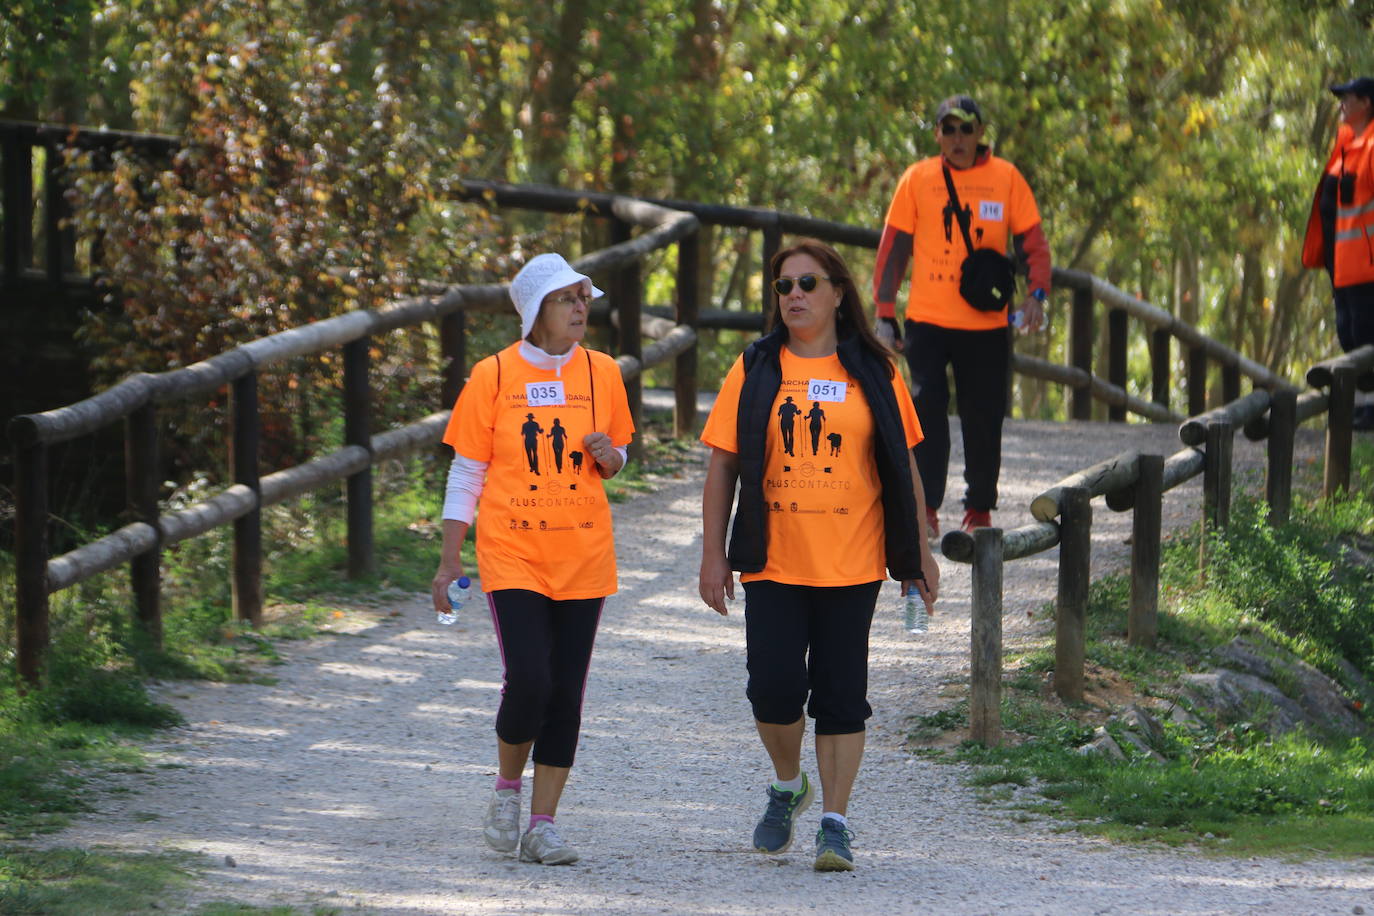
<point x="832" y="846"/>
<point x="774" y="831"/>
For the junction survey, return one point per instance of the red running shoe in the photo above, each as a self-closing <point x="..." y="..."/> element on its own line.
<point x="977" y="518"/>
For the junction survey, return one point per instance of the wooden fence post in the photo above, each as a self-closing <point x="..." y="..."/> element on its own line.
<point x="56" y="258"/>
<point x="1340" y="412"/>
<point x="142" y="477"/>
<point x="1075" y="563"/>
<point x="1216" y="473"/>
<point x="629" y="304"/>
<point x="1230" y="383"/>
<point x="1278" y="480"/>
<point x="772" y="244"/>
<point x="31" y="560"/>
<point x="1216" y="484"/>
<point x="453" y="346"/>
<point x="245" y="434"/>
<point x="1197" y="381"/>
<point x="18" y="203"/>
<point x="1116" y="359"/>
<point x="688" y="310"/>
<point x="1161" y="341"/>
<point x="985" y="667"/>
<point x="1143" y="620"/>
<point x="1081" y="350"/>
<point x="362" y="556"/>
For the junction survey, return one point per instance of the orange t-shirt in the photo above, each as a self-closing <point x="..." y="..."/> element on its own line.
<point x="820" y="481"/>
<point x="545" y="523"/>
<point x="999" y="204"/>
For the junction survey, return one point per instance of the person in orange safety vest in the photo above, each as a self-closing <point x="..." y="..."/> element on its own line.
<point x="1340" y="228"/>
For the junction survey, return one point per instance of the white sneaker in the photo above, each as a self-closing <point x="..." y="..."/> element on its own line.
<point x="542" y="844"/>
<point x="501" y="829"/>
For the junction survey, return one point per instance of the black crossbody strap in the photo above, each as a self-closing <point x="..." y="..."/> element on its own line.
<point x="959" y="213"/>
<point x="591" y="380"/>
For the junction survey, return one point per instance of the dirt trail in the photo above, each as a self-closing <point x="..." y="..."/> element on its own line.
<point x="359" y="779"/>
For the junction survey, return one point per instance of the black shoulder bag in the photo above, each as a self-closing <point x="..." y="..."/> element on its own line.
<point x="987" y="280"/>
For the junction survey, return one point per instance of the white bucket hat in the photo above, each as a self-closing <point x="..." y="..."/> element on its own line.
<point x="542" y="275"/>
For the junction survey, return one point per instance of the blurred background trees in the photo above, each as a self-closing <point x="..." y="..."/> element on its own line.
<point x="1173" y="147"/>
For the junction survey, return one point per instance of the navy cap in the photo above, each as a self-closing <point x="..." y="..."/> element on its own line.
<point x="959" y="106"/>
<point x="1363" y="86"/>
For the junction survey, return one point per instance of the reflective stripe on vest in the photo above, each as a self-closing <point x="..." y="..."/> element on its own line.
<point x="1353" y="239"/>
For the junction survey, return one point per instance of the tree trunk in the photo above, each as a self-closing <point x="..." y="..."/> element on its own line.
<point x="553" y="87"/>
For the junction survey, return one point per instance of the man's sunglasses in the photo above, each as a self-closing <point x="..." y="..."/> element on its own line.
<point x="965" y="128"/>
<point x="783" y="285"/>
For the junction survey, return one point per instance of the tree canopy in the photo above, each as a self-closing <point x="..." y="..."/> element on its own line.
<point x="1173" y="147"/>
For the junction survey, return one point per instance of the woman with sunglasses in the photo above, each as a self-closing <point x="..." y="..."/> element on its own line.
<point x="545" y="552"/>
<point x="813" y="536"/>
<point x="923" y="228"/>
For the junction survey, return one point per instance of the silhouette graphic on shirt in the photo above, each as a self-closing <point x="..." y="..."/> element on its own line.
<point x="834" y="440"/>
<point x="558" y="435"/>
<point x="576" y="458"/>
<point x="817" y="418"/>
<point x="530" y="430"/>
<point x="787" y="413"/>
<point x="948" y="214"/>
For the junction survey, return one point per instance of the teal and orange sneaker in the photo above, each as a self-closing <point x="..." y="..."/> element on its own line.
<point x="773" y="834"/>
<point x="832" y="846"/>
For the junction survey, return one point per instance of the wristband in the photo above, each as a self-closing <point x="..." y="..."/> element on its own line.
<point x="1039" y="295"/>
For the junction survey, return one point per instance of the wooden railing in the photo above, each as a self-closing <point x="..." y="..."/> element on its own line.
<point x="22" y="234"/>
<point x="1133" y="481"/>
<point x="672" y="330"/>
<point x="135" y="402"/>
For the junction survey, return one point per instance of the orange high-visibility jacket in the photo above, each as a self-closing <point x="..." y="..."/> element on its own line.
<point x="1351" y="245"/>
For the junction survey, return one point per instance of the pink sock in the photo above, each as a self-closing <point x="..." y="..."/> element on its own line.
<point x="504" y="783"/>
<point x="536" y="818"/>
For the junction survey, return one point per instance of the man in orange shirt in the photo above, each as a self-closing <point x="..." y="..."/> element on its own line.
<point x="942" y="328"/>
<point x="1340" y="228"/>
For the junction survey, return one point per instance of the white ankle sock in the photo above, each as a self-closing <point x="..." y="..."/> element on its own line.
<point x="838" y="817"/>
<point x="790" y="785"/>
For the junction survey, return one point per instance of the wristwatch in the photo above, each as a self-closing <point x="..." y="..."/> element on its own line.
<point x="1039" y="295"/>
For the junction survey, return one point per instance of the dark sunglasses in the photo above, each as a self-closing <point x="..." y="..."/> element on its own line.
<point x="965" y="128"/>
<point x="783" y="285"/>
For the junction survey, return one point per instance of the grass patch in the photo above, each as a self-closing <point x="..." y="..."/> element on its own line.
<point x="82" y="882"/>
<point x="1306" y="587"/>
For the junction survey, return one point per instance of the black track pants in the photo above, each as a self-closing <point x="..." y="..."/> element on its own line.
<point x="979" y="360"/>
<point x="546" y="647"/>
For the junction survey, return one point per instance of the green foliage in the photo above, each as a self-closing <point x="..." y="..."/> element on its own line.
<point x="79" y="882"/>
<point x="1308" y="584"/>
<point x="1172" y="148"/>
<point x="1305" y="586"/>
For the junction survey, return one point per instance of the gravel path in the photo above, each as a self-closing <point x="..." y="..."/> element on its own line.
<point x="359" y="779"/>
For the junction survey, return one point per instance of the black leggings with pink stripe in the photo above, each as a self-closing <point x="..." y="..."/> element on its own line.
<point x="546" y="647"/>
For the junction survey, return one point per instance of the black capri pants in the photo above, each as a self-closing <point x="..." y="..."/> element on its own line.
<point x="808" y="644"/>
<point x="546" y="648"/>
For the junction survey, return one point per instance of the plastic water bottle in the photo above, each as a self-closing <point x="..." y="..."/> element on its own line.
<point x="916" y="620"/>
<point x="458" y="591"/>
<point x="1017" y="319"/>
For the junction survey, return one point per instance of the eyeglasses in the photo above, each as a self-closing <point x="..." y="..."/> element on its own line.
<point x="966" y="128"/>
<point x="570" y="299"/>
<point x="807" y="282"/>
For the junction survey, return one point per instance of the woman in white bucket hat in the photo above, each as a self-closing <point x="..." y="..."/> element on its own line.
<point x="545" y="551"/>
